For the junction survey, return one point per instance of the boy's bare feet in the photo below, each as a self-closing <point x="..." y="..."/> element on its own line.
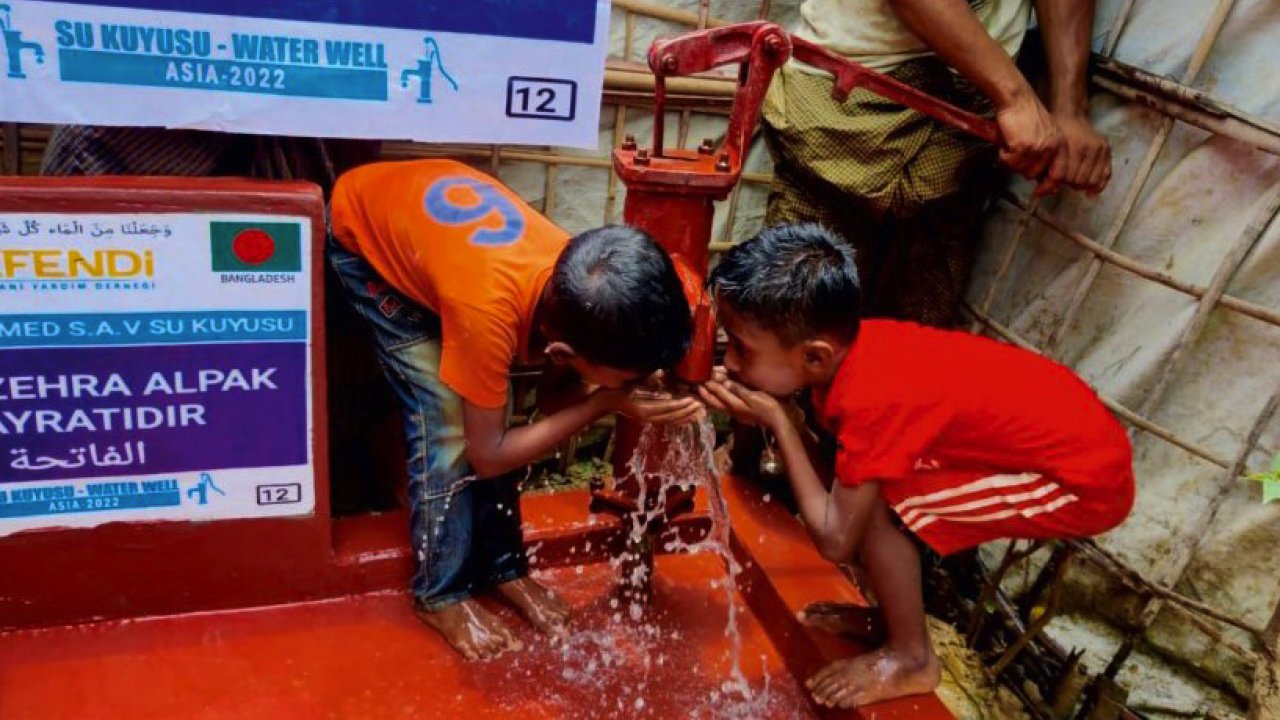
<point x="473" y="631"/>
<point x="864" y="625"/>
<point x="879" y="675"/>
<point x="540" y="606"/>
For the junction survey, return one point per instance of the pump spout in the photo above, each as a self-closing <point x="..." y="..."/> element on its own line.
<point x="695" y="367"/>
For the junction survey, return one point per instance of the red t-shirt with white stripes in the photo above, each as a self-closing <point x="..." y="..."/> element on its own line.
<point x="908" y="398"/>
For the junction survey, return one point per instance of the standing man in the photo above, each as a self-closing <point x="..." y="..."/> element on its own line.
<point x="908" y="192"/>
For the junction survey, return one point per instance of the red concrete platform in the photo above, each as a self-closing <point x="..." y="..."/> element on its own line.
<point x="366" y="655"/>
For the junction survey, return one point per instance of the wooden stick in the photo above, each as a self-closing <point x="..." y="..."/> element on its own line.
<point x="682" y="135"/>
<point x="1125" y="413"/>
<point x="495" y="159"/>
<point x="1264" y="701"/>
<point x="1225" y="272"/>
<point x="1199" y="530"/>
<point x="662" y="12"/>
<point x="1198" y="57"/>
<point x="1189" y="96"/>
<point x="611" y="193"/>
<point x="1006" y="260"/>
<point x="549" y="190"/>
<point x="619" y="124"/>
<point x="988" y="590"/>
<point x="1190" y="608"/>
<point x="1117" y="26"/>
<point x="1228" y="127"/>
<point x="1038" y="626"/>
<point x="1112" y="257"/>
<point x="619" y="77"/>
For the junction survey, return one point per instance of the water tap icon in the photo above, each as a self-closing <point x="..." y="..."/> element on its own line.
<point x="427" y="68"/>
<point x="14" y="44"/>
<point x="202" y="488"/>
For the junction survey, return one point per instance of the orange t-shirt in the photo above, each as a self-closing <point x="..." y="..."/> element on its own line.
<point x="460" y="243"/>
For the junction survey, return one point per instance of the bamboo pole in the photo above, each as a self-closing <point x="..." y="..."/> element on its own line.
<point x="1201" y="524"/>
<point x="662" y="12"/>
<point x="1117" y="27"/>
<point x="619" y="124"/>
<point x="1006" y="260"/>
<point x="1264" y="702"/>
<point x="1225" y="272"/>
<point x="549" y="190"/>
<point x="1039" y="624"/>
<point x="1184" y="95"/>
<point x="1198" y="57"/>
<point x="631" y="77"/>
<point x="1190" y="333"/>
<point x="686" y="115"/>
<point x="1226" y="126"/>
<point x="1244" y="307"/>
<point x="1125" y="413"/>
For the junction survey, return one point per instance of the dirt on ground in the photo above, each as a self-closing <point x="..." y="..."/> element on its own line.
<point x="967" y="689"/>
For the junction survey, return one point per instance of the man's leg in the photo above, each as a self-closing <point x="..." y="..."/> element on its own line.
<point x="441" y="487"/>
<point x="905" y="665"/>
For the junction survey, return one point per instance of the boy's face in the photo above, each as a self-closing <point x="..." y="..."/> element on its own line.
<point x="758" y="358"/>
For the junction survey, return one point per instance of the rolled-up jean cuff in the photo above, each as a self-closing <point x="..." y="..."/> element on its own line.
<point x="440" y="602"/>
<point x="505" y="577"/>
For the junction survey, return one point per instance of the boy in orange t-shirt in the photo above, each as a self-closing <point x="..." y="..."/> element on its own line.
<point x="960" y="438"/>
<point x="457" y="277"/>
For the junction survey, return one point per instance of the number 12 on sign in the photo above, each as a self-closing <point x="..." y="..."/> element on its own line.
<point x="545" y="98"/>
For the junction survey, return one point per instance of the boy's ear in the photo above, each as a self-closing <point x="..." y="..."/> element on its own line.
<point x="560" y="352"/>
<point x="819" y="356"/>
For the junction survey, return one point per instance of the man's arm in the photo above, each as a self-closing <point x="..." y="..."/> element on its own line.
<point x="1085" y="159"/>
<point x="953" y="32"/>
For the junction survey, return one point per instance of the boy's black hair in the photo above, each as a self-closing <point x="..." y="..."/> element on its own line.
<point x="615" y="298"/>
<point x="796" y="281"/>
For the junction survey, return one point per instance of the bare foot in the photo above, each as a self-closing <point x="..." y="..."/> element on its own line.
<point x="473" y="631"/>
<point x="862" y="624"/>
<point x="879" y="675"/>
<point x="540" y="606"/>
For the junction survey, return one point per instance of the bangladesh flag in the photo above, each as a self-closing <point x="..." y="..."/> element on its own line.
<point x="255" y="246"/>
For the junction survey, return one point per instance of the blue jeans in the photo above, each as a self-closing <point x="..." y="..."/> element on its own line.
<point x="465" y="532"/>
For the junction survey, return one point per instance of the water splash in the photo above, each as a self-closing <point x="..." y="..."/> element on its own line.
<point x="682" y="457"/>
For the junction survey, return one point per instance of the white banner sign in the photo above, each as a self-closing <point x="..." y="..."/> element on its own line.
<point x="154" y="367"/>
<point x="483" y="71"/>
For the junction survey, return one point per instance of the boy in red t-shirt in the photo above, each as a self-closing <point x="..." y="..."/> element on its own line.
<point x="962" y="438"/>
<point x="457" y="277"/>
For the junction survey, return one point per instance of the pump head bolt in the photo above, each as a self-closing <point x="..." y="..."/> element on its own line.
<point x="773" y="44"/>
<point x="629" y="142"/>
<point x="642" y="156"/>
<point x="670" y="63"/>
<point x="707" y="147"/>
<point x="722" y="165"/>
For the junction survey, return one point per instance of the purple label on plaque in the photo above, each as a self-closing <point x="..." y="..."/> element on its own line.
<point x="69" y="413"/>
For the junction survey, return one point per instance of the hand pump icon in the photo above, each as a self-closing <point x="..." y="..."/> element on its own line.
<point x="426" y="68"/>
<point x="14" y="44"/>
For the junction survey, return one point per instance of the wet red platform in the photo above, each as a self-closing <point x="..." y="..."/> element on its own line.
<point x="366" y="656"/>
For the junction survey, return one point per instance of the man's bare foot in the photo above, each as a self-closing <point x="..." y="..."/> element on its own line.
<point x="864" y="625"/>
<point x="540" y="606"/>
<point x="473" y="631"/>
<point x="879" y="675"/>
